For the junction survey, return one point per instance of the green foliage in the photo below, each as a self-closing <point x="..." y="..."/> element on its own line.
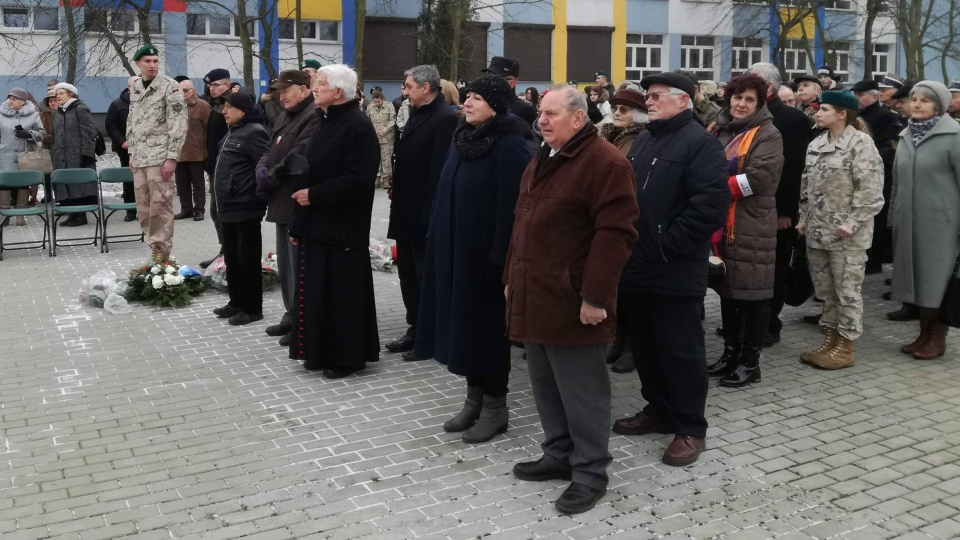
<point x="174" y="290"/>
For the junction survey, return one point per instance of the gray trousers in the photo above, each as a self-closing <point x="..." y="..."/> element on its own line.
<point x="571" y="387"/>
<point x="288" y="261"/>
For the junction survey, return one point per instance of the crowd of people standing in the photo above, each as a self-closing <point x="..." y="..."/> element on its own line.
<point x="563" y="222"/>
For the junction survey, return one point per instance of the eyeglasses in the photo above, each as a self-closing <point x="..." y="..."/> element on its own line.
<point x="622" y="109"/>
<point x="657" y="95"/>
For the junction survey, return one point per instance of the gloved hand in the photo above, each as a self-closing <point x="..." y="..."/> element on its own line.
<point x="22" y="134"/>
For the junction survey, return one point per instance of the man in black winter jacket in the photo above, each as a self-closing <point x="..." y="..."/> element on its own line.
<point x="116" y="125"/>
<point x="794" y="127"/>
<point x="218" y="86"/>
<point x="240" y="208"/>
<point x="885" y="129"/>
<point x="682" y="192"/>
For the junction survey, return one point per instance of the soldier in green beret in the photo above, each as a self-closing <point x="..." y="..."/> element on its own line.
<point x="156" y="130"/>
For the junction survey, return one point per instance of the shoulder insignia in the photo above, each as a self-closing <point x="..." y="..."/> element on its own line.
<point x="177" y="107"/>
<point x="175" y="89"/>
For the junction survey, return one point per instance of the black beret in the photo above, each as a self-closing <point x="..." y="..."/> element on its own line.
<point x="216" y="75"/>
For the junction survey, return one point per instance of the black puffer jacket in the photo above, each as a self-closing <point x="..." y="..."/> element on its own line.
<point x="236" y="182"/>
<point x="682" y="192"/>
<point x="116" y="121"/>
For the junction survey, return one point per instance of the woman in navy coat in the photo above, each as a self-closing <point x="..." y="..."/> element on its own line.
<point x="462" y="307"/>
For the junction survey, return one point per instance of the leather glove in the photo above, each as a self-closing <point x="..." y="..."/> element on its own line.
<point x="23" y="134"/>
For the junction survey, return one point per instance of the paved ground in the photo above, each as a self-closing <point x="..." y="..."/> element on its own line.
<point x="171" y="424"/>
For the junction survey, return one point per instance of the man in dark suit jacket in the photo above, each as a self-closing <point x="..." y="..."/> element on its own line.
<point x="418" y="158"/>
<point x="794" y="127"/>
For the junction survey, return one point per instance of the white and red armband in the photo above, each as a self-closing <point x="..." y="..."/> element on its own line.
<point x="739" y="187"/>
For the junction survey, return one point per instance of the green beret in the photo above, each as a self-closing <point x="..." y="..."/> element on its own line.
<point x="839" y="98"/>
<point x="311" y="64"/>
<point x="146" y="50"/>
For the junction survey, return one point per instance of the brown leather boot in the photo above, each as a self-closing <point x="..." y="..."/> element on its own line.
<point x="829" y="340"/>
<point x="936" y="344"/>
<point x="387" y="182"/>
<point x="922" y="338"/>
<point x="840" y="356"/>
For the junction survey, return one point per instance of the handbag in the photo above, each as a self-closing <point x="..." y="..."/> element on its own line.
<point x="716" y="272"/>
<point x="35" y="160"/>
<point x="799" y="285"/>
<point x="950" y="307"/>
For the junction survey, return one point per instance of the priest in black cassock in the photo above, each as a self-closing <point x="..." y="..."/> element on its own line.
<point x="336" y="326"/>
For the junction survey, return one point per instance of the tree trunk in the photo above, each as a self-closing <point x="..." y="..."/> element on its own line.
<point x="949" y="40"/>
<point x="457" y="16"/>
<point x="361" y="8"/>
<point x="298" y="20"/>
<point x="246" y="45"/>
<point x="266" y="41"/>
<point x="72" y="44"/>
<point x="873" y="9"/>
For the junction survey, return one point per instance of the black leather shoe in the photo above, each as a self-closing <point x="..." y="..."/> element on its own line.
<point x="888" y="296"/>
<point x="226" y="311"/>
<point x="578" y="498"/>
<point x="539" y="471"/>
<point x="411" y="356"/>
<point x="334" y="374"/>
<point x="747" y="369"/>
<point x="285" y="340"/>
<point x="278" y="330"/>
<point x="401" y="344"/>
<point x="908" y="312"/>
<point x="241" y="318"/>
<point x="726" y="363"/>
<point x="198" y="215"/>
<point x="131" y="216"/>
<point x="183" y="215"/>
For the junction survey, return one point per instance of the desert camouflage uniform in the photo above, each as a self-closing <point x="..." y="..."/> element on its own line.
<point x="156" y="130"/>
<point x="842" y="185"/>
<point x="383" y="119"/>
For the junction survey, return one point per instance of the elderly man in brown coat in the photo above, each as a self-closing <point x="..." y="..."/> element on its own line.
<point x="574" y="229"/>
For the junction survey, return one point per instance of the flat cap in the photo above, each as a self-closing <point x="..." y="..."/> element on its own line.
<point x="630" y="98"/>
<point x="865" y="85"/>
<point x="903" y="91"/>
<point x="290" y="78"/>
<point x="808" y="78"/>
<point x="839" y="98"/>
<point x="675" y="80"/>
<point x="146" y="50"/>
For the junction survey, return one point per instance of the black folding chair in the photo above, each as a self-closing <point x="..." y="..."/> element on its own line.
<point x="116" y="175"/>
<point x="22" y="180"/>
<point x="67" y="177"/>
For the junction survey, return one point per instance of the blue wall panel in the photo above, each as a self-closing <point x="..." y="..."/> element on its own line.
<point x="647" y="16"/>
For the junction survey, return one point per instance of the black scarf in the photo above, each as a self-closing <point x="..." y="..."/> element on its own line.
<point x="473" y="142"/>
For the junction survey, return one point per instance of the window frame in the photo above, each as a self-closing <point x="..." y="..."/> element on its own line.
<point x="799" y="51"/>
<point x="700" y="71"/>
<point x="881" y="69"/>
<point x="317" y="30"/>
<point x="835" y="56"/>
<point x="752" y="46"/>
<point x="636" y="72"/>
<point x="29" y="18"/>
<point x="233" y="32"/>
<point x="131" y="15"/>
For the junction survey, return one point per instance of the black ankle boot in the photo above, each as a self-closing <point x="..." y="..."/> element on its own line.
<point x="727" y="362"/>
<point x="747" y="370"/>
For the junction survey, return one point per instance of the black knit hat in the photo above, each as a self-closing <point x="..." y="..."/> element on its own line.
<point x="494" y="90"/>
<point x="242" y="101"/>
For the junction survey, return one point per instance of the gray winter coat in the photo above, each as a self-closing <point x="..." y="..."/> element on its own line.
<point x="29" y="119"/>
<point x="926" y="214"/>
<point x="74" y="135"/>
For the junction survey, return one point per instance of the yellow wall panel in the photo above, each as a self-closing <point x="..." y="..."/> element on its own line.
<point x="559" y="41"/>
<point x="324" y="10"/>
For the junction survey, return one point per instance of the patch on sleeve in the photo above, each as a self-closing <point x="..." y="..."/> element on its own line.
<point x="177" y="107"/>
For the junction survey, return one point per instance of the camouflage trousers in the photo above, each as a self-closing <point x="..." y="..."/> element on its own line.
<point x="155" y="208"/>
<point x="837" y="279"/>
<point x="386" y="158"/>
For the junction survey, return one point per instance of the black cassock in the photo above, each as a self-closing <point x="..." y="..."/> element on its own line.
<point x="336" y="325"/>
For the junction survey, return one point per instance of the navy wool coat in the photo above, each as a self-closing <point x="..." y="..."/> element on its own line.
<point x="462" y="308"/>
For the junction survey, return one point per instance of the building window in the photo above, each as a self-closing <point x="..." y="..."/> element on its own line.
<point x="746" y="52"/>
<point x="696" y="55"/>
<point x="216" y="25"/>
<point x="837" y="4"/>
<point x="795" y="58"/>
<point x="644" y="55"/>
<point x="15" y="17"/>
<point x="310" y="30"/>
<point x="881" y="60"/>
<point x="838" y="56"/>
<point x="121" y="21"/>
<point x="46" y="19"/>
